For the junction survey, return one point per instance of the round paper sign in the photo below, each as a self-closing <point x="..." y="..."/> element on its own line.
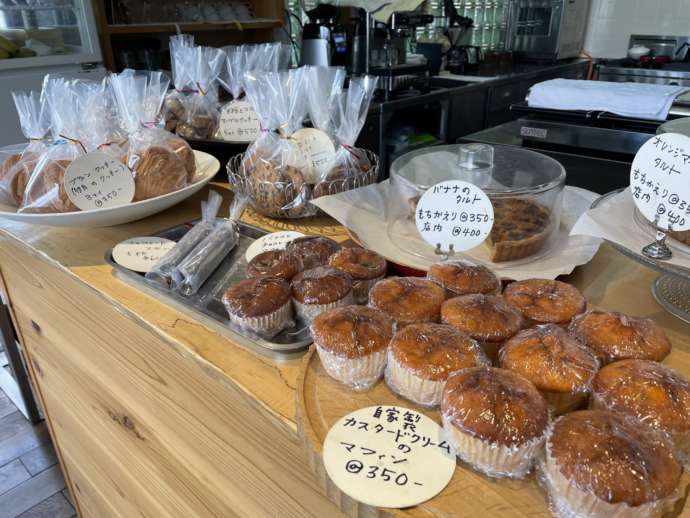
<point x="454" y="215"/>
<point x="318" y="147"/>
<point x="660" y="181"/>
<point x="97" y="181"/>
<point x="388" y="456"/>
<point x="238" y="122"/>
<point x="274" y="241"/>
<point x="141" y="253"/>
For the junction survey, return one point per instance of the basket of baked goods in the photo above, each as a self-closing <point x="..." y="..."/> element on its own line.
<point x="97" y="155"/>
<point x="523" y="378"/>
<point x="289" y="165"/>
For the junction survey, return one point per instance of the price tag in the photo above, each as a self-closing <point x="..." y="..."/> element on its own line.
<point x="660" y="181"/>
<point x="454" y="213"/>
<point x="97" y="180"/>
<point x="318" y="147"/>
<point x="274" y="241"/>
<point x="141" y="253"/>
<point x="238" y="122"/>
<point x="388" y="456"/>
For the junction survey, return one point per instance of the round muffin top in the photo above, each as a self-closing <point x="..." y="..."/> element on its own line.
<point x="352" y="331"/>
<point x="495" y="405"/>
<point x="408" y="299"/>
<point x="361" y="264"/>
<point x="313" y="251"/>
<point x="274" y="263"/>
<point x="603" y="453"/>
<point x="648" y="391"/>
<point x="614" y="336"/>
<point x="546" y="301"/>
<point x="462" y="277"/>
<point x="321" y="285"/>
<point x="257" y="296"/>
<point x="484" y="317"/>
<point x="434" y="351"/>
<point x="551" y="359"/>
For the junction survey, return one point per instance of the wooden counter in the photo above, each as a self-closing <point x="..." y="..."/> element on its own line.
<point x="154" y="414"/>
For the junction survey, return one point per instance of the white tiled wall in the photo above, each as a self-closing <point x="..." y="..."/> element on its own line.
<point x="611" y="22"/>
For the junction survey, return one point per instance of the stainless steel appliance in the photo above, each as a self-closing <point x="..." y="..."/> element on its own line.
<point x="546" y="29"/>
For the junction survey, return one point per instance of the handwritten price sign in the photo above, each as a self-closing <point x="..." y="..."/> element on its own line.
<point x="141" y="253"/>
<point x="388" y="456"/>
<point x="238" y="122"/>
<point x="454" y="214"/>
<point x="273" y="241"/>
<point x="97" y="181"/>
<point x="660" y="181"/>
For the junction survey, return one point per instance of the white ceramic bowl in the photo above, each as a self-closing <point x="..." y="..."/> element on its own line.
<point x="207" y="167"/>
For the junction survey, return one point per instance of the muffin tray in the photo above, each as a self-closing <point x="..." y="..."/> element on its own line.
<point x="206" y="306"/>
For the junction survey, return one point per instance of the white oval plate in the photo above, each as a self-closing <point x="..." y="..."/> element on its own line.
<point x="207" y="167"/>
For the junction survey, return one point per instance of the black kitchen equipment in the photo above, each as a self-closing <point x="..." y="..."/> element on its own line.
<point x="317" y="44"/>
<point x="459" y="32"/>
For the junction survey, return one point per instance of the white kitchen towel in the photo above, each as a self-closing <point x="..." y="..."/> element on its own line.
<point x="644" y="101"/>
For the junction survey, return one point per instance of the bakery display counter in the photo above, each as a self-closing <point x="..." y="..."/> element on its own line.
<point x="155" y="414"/>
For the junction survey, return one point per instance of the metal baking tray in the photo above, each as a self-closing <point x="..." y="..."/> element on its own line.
<point x="206" y="306"/>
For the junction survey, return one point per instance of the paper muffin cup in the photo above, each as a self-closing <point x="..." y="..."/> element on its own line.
<point x="358" y="373"/>
<point x="563" y="402"/>
<point x="266" y="326"/>
<point x="569" y="501"/>
<point x="406" y="383"/>
<point x="360" y="289"/>
<point x="308" y="312"/>
<point x="494" y="460"/>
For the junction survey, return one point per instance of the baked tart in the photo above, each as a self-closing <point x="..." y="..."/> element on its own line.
<point x="521" y="229"/>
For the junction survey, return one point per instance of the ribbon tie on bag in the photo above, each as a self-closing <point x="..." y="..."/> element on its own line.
<point x="73" y="141"/>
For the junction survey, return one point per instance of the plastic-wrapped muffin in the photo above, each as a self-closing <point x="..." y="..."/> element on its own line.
<point x="461" y="277"/>
<point x="614" y="336"/>
<point x="319" y="289"/>
<point x="261" y="305"/>
<point x="422" y="356"/>
<point x="651" y="393"/>
<point x="558" y="364"/>
<point x="544" y="301"/>
<point x="274" y="263"/>
<point x="313" y="251"/>
<point x="495" y="419"/>
<point x="351" y="342"/>
<point x="600" y="465"/>
<point x="489" y="319"/>
<point x="408" y="300"/>
<point x="364" y="266"/>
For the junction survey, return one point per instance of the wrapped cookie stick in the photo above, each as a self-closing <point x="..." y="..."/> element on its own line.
<point x="173" y="107"/>
<point x="203" y="260"/>
<point x="161" y="272"/>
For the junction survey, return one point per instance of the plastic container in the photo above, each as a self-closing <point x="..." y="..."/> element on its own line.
<point x="525" y="187"/>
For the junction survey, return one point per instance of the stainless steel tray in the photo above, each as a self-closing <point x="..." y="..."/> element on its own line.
<point x="206" y="306"/>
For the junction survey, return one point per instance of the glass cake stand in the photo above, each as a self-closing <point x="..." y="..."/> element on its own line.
<point x="672" y="288"/>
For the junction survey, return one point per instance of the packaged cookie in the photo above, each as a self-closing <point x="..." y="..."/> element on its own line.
<point x="201" y="105"/>
<point x="173" y="106"/>
<point x="160" y="161"/>
<point x="18" y="162"/>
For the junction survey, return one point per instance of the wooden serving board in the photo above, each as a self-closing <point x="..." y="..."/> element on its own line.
<point x="321" y="401"/>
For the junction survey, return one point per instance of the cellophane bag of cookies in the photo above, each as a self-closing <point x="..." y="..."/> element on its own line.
<point x="17" y="162"/>
<point x="202" y="108"/>
<point x="173" y="107"/>
<point x="160" y="161"/>
<point x="351" y="167"/>
<point x="272" y="171"/>
<point x="45" y="190"/>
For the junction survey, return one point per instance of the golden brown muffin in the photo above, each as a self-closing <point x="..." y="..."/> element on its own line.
<point x="460" y="277"/>
<point x="614" y="336"/>
<point x="313" y="251"/>
<point x="488" y="319"/>
<point x="277" y="191"/>
<point x="319" y="289"/>
<point x="408" y="300"/>
<point x="157" y="171"/>
<point x="274" y="263"/>
<point x="496" y="418"/>
<point x="351" y="342"/>
<point x="260" y="304"/>
<point x="364" y="266"/>
<point x="422" y="356"/>
<point x="655" y="395"/>
<point x="599" y="464"/>
<point x="544" y="301"/>
<point x="46" y="189"/>
<point x="559" y="365"/>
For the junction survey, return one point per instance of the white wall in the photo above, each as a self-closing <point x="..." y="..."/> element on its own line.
<point x="611" y="22"/>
